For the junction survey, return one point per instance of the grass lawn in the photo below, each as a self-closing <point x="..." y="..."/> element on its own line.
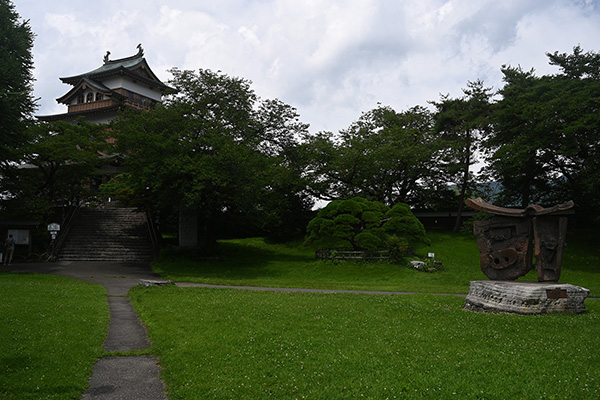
<point x="252" y="262"/>
<point x="221" y="343"/>
<point x="235" y="344"/>
<point x="51" y="334"/>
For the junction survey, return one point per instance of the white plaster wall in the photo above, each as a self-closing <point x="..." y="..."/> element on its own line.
<point x="127" y="83"/>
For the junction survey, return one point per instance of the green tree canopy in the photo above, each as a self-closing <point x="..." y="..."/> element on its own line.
<point x="386" y="156"/>
<point x="366" y="225"/>
<point x="463" y="123"/>
<point x="215" y="148"/>
<point x="56" y="164"/>
<point x="16" y="79"/>
<point x="546" y="141"/>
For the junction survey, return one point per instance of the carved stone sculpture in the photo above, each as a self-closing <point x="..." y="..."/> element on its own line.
<point x="509" y="241"/>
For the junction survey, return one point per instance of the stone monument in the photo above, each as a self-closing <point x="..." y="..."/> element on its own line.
<point x="508" y="244"/>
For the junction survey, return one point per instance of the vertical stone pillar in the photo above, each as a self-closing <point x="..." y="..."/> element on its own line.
<point x="188" y="226"/>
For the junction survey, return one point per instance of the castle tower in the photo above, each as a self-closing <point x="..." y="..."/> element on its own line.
<point x="119" y="84"/>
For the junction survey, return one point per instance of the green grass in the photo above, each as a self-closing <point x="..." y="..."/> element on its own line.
<point x="51" y="334"/>
<point x="235" y="344"/>
<point x="581" y="260"/>
<point x="252" y="262"/>
<point x="217" y="343"/>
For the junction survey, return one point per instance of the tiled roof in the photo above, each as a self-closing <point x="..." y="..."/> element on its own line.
<point x="98" y="86"/>
<point x="76" y="114"/>
<point x="128" y="65"/>
<point x="110" y="66"/>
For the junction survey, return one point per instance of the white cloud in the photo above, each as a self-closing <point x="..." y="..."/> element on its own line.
<point x="331" y="59"/>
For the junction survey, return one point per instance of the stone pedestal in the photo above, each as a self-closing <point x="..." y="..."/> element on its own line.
<point x="150" y="282"/>
<point x="525" y="298"/>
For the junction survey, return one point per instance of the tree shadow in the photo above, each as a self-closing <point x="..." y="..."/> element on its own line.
<point x="247" y="259"/>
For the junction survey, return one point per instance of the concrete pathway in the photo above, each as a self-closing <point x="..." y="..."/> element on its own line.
<point x="124" y="378"/>
<point x="301" y="290"/>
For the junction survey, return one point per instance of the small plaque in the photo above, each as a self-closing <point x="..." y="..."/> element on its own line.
<point x="556" y="293"/>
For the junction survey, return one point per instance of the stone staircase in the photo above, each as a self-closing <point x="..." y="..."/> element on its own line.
<point x="110" y="234"/>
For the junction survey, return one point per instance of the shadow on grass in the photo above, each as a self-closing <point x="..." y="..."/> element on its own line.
<point x="581" y="251"/>
<point x="249" y="259"/>
<point x="254" y="262"/>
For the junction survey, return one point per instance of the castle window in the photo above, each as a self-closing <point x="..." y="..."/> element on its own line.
<point x="98" y="96"/>
<point x="89" y="98"/>
<point x="80" y="98"/>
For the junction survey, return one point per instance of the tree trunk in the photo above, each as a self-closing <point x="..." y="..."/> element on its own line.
<point x="461" y="198"/>
<point x="529" y="178"/>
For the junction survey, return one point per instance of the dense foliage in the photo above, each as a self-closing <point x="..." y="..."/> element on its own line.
<point x="214" y="148"/>
<point x="538" y="138"/>
<point x="367" y="225"/>
<point x="16" y="79"/>
<point x="546" y="139"/>
<point x="464" y="123"/>
<point x="385" y="156"/>
<point x="57" y="163"/>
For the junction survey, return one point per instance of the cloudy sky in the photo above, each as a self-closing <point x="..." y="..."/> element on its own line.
<point x="332" y="60"/>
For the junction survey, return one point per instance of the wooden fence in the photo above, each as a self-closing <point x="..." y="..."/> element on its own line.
<point x="346" y="253"/>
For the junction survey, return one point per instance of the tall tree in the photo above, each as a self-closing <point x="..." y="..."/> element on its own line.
<point x="212" y="150"/>
<point x="520" y="128"/>
<point x="546" y="141"/>
<point x="386" y="156"/>
<point x="56" y="164"/>
<point x="286" y="202"/>
<point x="16" y="79"/>
<point x="463" y="122"/>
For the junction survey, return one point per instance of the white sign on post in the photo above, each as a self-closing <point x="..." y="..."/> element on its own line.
<point x="53" y="228"/>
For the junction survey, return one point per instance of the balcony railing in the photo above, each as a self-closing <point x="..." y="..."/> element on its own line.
<point x="92" y="105"/>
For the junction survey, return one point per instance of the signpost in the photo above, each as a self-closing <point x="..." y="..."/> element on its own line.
<point x="53" y="228"/>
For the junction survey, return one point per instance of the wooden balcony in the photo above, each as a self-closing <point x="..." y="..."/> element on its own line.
<point x="136" y="103"/>
<point x="92" y="105"/>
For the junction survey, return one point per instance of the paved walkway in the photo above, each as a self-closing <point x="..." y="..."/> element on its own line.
<point x="125" y="378"/>
<point x="281" y="289"/>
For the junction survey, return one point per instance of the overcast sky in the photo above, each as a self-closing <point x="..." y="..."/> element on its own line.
<point x="332" y="60"/>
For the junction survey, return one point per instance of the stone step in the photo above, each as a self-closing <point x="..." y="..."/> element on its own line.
<point x="108" y="234"/>
<point x="112" y="239"/>
<point x="97" y="249"/>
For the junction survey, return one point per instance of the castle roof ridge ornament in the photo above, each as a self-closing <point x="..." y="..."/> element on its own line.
<point x="139" y="54"/>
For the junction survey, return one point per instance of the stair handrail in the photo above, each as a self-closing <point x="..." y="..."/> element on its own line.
<point x="153" y="231"/>
<point x="57" y="244"/>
